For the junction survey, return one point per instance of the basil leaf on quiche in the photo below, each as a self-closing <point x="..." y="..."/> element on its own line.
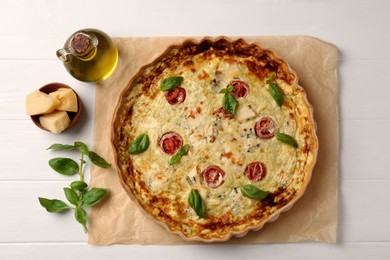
<point x="252" y="192"/>
<point x="227" y="89"/>
<point x="196" y="202"/>
<point x="180" y="153"/>
<point x="229" y="103"/>
<point x="140" y="144"/>
<point x="171" y="83"/>
<point x="275" y="91"/>
<point x="287" y="139"/>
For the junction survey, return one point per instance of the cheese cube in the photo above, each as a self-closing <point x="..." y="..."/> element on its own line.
<point x="67" y="99"/>
<point x="38" y="103"/>
<point x="55" y="122"/>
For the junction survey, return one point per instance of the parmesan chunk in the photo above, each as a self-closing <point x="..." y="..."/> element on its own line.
<point x="55" y="122"/>
<point x="67" y="99"/>
<point x="38" y="103"/>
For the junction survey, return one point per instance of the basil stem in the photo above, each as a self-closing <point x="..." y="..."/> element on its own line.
<point x="275" y="91"/>
<point x="171" y="83"/>
<point x="65" y="166"/>
<point x="287" y="139"/>
<point x="196" y="202"/>
<point x="177" y="157"/>
<point x="253" y="192"/>
<point x="140" y="144"/>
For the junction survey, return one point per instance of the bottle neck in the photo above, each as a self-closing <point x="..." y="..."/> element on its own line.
<point x="83" y="45"/>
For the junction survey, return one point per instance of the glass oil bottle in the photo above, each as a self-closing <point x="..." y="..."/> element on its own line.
<point x="89" y="55"/>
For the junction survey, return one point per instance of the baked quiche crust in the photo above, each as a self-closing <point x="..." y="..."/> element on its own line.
<point x="225" y="151"/>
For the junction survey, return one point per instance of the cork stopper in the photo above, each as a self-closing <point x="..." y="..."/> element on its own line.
<point x="80" y="43"/>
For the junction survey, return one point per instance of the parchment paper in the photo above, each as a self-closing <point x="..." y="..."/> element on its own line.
<point x="314" y="217"/>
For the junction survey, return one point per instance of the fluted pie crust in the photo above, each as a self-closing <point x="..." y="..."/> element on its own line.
<point x="214" y="138"/>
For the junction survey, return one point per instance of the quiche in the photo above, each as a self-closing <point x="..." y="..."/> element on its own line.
<point x="214" y="138"/>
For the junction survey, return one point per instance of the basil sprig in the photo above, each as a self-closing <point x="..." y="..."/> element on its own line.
<point x="171" y="83"/>
<point x="196" y="202"/>
<point x="229" y="102"/>
<point x="287" y="139"/>
<point x="252" y="192"/>
<point x="275" y="91"/>
<point x="139" y="145"/>
<point x="77" y="194"/>
<point x="180" y="153"/>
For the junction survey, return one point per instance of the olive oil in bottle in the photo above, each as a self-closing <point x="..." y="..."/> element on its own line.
<point x="89" y="55"/>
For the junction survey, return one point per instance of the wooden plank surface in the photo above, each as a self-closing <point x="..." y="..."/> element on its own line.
<point x="31" y="32"/>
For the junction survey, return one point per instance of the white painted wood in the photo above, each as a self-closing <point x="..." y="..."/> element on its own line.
<point x="59" y="251"/>
<point x="352" y="25"/>
<point x="31" y="32"/>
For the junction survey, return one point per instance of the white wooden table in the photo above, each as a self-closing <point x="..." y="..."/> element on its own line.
<point x="31" y="32"/>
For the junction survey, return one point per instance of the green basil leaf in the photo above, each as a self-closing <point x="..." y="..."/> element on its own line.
<point x="230" y="88"/>
<point x="196" y="202"/>
<point x="81" y="216"/>
<point x="140" y="144"/>
<point x="177" y="157"/>
<point x="93" y="196"/>
<point x="65" y="166"/>
<point x="53" y="205"/>
<point x="287" y="139"/>
<point x="71" y="196"/>
<point x="171" y="83"/>
<point x="227" y="89"/>
<point x="270" y="79"/>
<point x="61" y="147"/>
<point x="253" y="192"/>
<point x="82" y="147"/>
<point x="230" y="103"/>
<point x="276" y="92"/>
<point x="98" y="160"/>
<point x="78" y="185"/>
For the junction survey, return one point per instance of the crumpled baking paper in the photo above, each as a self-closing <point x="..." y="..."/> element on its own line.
<point x="118" y="220"/>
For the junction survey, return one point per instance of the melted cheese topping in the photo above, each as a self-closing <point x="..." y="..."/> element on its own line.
<point x="230" y="143"/>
